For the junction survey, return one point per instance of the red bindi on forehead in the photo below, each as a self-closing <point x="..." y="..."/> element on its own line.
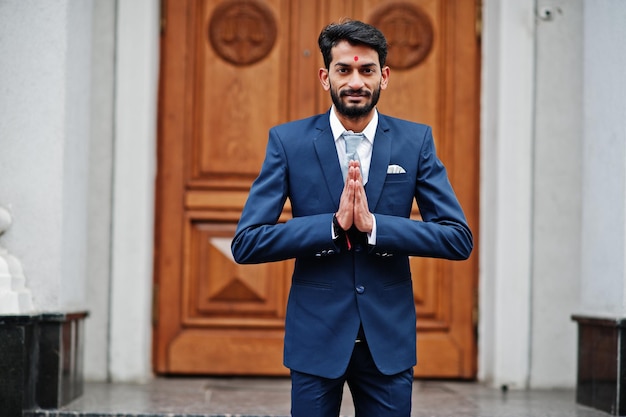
<point x="356" y="58"/>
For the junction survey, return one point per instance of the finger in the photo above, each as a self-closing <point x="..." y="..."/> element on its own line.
<point x="359" y="195"/>
<point x="357" y="175"/>
<point x="362" y="215"/>
<point x="355" y="172"/>
<point x="345" y="212"/>
<point x="352" y="186"/>
<point x="347" y="180"/>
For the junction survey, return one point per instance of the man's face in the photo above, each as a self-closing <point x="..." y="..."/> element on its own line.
<point x="354" y="79"/>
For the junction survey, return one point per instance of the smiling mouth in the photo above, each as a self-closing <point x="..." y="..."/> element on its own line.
<point x="355" y="94"/>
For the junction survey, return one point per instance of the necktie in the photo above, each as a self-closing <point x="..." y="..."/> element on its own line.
<point x="353" y="140"/>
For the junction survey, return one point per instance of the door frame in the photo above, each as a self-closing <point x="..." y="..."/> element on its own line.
<point x="172" y="126"/>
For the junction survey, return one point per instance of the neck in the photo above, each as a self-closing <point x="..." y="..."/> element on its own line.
<point x="356" y="124"/>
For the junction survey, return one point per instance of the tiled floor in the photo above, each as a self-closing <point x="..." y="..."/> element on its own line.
<point x="249" y="397"/>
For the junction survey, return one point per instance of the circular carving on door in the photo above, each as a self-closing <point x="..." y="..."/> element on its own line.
<point x="242" y="32"/>
<point x="409" y="33"/>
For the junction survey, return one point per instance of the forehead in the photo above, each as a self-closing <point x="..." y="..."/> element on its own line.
<point x="344" y="52"/>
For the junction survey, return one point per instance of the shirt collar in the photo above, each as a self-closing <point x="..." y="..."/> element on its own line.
<point x="338" y="129"/>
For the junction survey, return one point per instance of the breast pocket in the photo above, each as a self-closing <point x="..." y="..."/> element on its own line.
<point x="397" y="196"/>
<point x="393" y="178"/>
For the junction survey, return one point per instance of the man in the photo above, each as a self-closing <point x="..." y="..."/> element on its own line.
<point x="351" y="315"/>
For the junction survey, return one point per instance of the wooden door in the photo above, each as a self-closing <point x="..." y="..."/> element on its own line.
<point x="230" y="70"/>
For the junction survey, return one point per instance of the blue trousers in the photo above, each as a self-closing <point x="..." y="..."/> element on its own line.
<point x="374" y="394"/>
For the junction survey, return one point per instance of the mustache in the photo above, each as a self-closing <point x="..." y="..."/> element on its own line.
<point x="351" y="92"/>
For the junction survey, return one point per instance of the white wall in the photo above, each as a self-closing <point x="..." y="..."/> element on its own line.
<point x="506" y="192"/>
<point x="77" y="171"/>
<point x="44" y="120"/>
<point x="553" y="186"/>
<point x="556" y="229"/>
<point x="137" y="69"/>
<point x="76" y="150"/>
<point x="98" y="275"/>
<point x="604" y="166"/>
<point x="121" y="200"/>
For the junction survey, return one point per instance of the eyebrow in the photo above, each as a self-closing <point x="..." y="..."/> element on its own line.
<point x="368" y="65"/>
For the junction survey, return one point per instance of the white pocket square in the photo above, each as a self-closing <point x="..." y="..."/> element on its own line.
<point x="395" y="169"/>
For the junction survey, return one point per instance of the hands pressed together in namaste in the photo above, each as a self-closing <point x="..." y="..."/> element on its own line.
<point x="353" y="208"/>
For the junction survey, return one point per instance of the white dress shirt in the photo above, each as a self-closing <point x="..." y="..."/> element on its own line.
<point x="364" y="149"/>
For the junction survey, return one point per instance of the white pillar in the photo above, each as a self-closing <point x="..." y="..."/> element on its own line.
<point x="506" y="191"/>
<point x="136" y="70"/>
<point x="556" y="192"/>
<point x="603" y="289"/>
<point x="100" y="199"/>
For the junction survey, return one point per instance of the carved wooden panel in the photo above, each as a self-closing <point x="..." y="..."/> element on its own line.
<point x="236" y="72"/>
<point x="242" y="32"/>
<point x="408" y="31"/>
<point x="219" y="292"/>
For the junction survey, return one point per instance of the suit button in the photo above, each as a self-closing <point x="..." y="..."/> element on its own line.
<point x="331" y="251"/>
<point x="360" y="289"/>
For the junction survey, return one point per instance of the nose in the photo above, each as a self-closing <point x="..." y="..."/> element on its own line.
<point x="355" y="82"/>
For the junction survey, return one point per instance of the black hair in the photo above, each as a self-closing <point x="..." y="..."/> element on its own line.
<point x="355" y="33"/>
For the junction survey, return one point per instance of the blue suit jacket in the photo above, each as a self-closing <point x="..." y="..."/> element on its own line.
<point x="333" y="291"/>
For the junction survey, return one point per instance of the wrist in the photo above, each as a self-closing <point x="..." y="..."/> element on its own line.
<point x="341" y="237"/>
<point x="370" y="224"/>
<point x="337" y="227"/>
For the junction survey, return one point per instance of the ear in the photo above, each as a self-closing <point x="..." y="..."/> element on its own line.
<point x="323" y="76"/>
<point x="385" y="77"/>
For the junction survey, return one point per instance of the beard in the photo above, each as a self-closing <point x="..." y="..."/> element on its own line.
<point x="354" y="111"/>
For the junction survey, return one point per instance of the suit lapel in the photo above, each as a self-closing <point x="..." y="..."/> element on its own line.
<point x="381" y="155"/>
<point x="327" y="156"/>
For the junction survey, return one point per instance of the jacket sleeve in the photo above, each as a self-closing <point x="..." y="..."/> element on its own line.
<point x="259" y="237"/>
<point x="443" y="231"/>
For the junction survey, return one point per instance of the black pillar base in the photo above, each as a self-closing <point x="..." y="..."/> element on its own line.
<point x="41" y="361"/>
<point x="601" y="380"/>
